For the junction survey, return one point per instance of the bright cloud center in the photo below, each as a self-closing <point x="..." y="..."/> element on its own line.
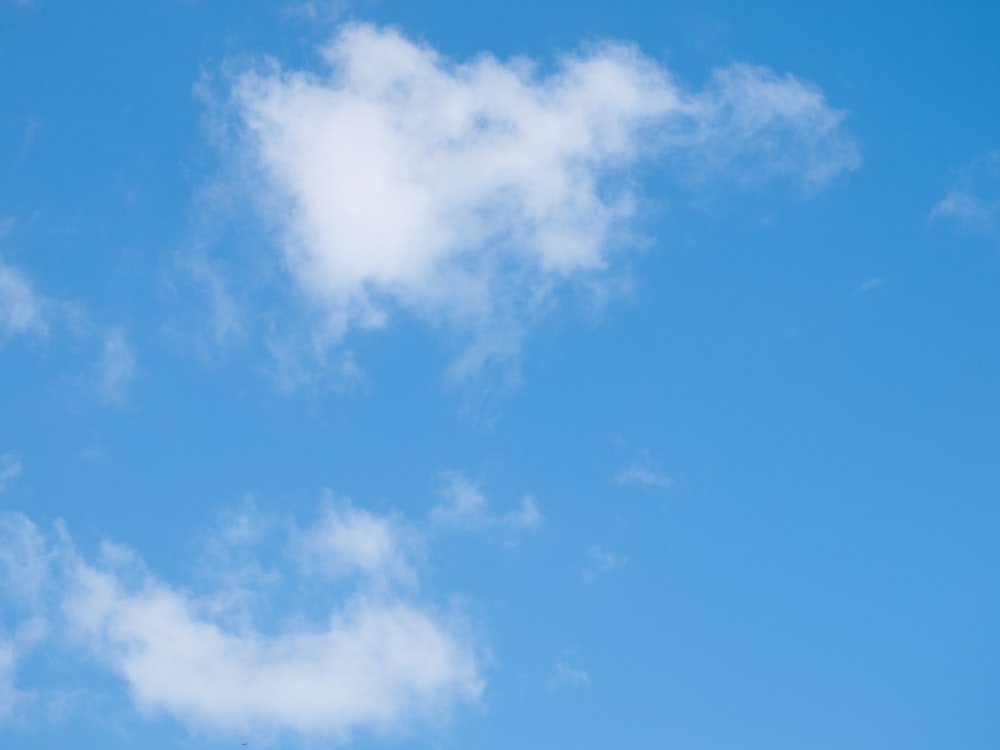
<point x="468" y="192"/>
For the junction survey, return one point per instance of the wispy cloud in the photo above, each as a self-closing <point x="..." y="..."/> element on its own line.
<point x="243" y="527"/>
<point x="115" y="369"/>
<point x="22" y="310"/>
<point x="601" y="561"/>
<point x="566" y="676"/>
<point x="526" y="516"/>
<point x="867" y="285"/>
<point x="227" y="320"/>
<point x="471" y="193"/>
<point x="464" y="507"/>
<point x="644" y="472"/>
<point x="8" y="691"/>
<point x="348" y="541"/>
<point x="973" y="201"/>
<point x="377" y="658"/>
<point x="10" y="469"/>
<point x="24" y="570"/>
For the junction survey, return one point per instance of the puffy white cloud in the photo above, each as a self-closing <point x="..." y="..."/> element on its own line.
<point x="469" y="192"/>
<point x="974" y="200"/>
<point x="375" y="664"/>
<point x="464" y="507"/>
<point x="378" y="660"/>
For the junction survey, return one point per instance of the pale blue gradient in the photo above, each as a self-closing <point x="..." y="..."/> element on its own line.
<point x="816" y="370"/>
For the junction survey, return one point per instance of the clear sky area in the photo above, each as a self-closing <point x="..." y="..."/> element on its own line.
<point x="591" y="375"/>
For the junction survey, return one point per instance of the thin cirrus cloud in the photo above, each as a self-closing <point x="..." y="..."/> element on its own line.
<point x="643" y="472"/>
<point x="567" y="676"/>
<point x="9" y="694"/>
<point x="868" y="285"/>
<point x="463" y="506"/>
<point x="23" y="311"/>
<point x="601" y="561"/>
<point x="973" y="200"/>
<point x="470" y="193"/>
<point x="116" y="367"/>
<point x="26" y="312"/>
<point x="10" y="469"/>
<point x="379" y="660"/>
<point x="23" y="572"/>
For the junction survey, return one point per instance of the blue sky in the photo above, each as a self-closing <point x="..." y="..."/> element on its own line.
<point x="443" y="375"/>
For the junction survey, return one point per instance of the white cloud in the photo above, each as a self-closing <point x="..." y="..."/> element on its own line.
<point x="974" y="200"/>
<point x="116" y="367"/>
<point x="376" y="660"/>
<point x="373" y="665"/>
<point x="469" y="193"/>
<point x="10" y="469"/>
<point x="22" y="310"/>
<point x="464" y="507"/>
<point x="644" y="473"/>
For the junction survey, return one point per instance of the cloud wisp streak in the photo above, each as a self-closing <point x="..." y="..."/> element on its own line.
<point x="867" y="285"/>
<point x="25" y="312"/>
<point x="973" y="201"/>
<point x="470" y="193"/>
<point x="566" y="676"/>
<point x="22" y="310"/>
<point x="116" y="367"/>
<point x="464" y="507"/>
<point x="10" y="469"/>
<point x="643" y="472"/>
<point x="601" y="561"/>
<point x="379" y="660"/>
